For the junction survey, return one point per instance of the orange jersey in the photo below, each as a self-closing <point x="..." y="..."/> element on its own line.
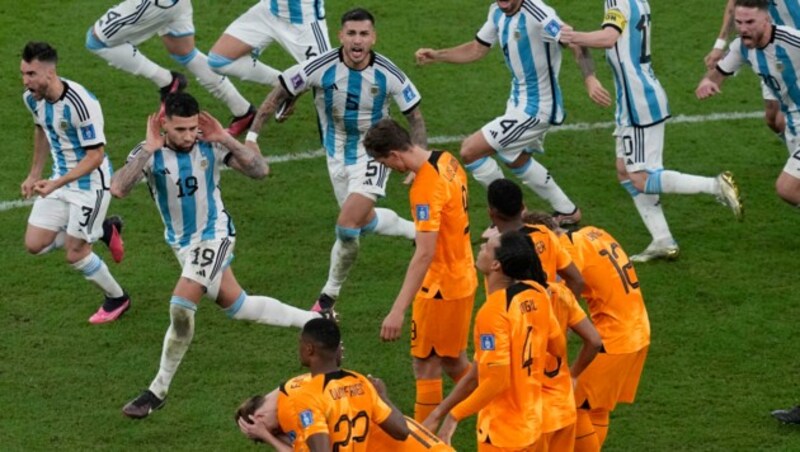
<point x="558" y="400"/>
<point x="612" y="290"/>
<point x="342" y="404"/>
<point x="549" y="248"/>
<point x="419" y="440"/>
<point x="512" y="329"/>
<point x="438" y="200"/>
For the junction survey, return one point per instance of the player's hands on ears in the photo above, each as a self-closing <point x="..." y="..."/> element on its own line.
<point x="154" y="140"/>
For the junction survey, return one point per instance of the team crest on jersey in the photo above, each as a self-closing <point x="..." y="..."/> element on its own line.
<point x="63" y="125"/>
<point x="87" y="132"/>
<point x="306" y="418"/>
<point x="409" y="94"/>
<point x="552" y="28"/>
<point x="297" y="81"/>
<point x="204" y="163"/>
<point x="423" y="212"/>
<point x="517" y="35"/>
<point x="374" y="90"/>
<point x="487" y="342"/>
<point x="779" y="66"/>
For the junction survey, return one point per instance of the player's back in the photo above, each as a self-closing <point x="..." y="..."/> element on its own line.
<point x="641" y="100"/>
<point x="342" y="404"/>
<point x="514" y="418"/>
<point x="551" y="253"/>
<point x="438" y="199"/>
<point x="611" y="291"/>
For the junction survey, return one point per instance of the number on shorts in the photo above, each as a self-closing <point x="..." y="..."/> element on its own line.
<point x="310" y="53"/>
<point x="623" y="270"/>
<point x="413" y="330"/>
<point x="355" y="432"/>
<point x="87" y="214"/>
<point x="207" y="255"/>
<point x="796" y="155"/>
<point x="507" y="124"/>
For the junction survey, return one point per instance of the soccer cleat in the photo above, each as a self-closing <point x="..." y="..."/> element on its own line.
<point x="329" y="314"/>
<point x="285" y="109"/>
<point x="788" y="416"/>
<point x="111" y="310"/>
<point x="567" y="219"/>
<point x="729" y="194"/>
<point x="240" y="124"/>
<point x="654" y="251"/>
<point x="112" y="237"/>
<point x="324" y="302"/>
<point x="178" y="83"/>
<point x="142" y="406"/>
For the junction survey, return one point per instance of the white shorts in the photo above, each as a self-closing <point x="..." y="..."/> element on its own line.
<point x="641" y="148"/>
<point x="367" y="177"/>
<point x="205" y="262"/>
<point x="259" y="28"/>
<point x="135" y="21"/>
<point x="792" y="166"/>
<point x="766" y="93"/>
<point x="514" y="133"/>
<point x="79" y="212"/>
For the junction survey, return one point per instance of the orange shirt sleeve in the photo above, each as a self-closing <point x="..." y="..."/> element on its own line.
<point x="310" y="413"/>
<point x="380" y="410"/>
<point x="428" y="196"/>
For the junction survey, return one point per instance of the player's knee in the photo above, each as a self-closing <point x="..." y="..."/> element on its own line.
<point x="93" y="43"/>
<point x="181" y="312"/>
<point x="34" y="246"/>
<point x="185" y="59"/>
<point x="646" y="181"/>
<point x="346" y="234"/>
<point x="219" y="63"/>
<point x="475" y="164"/>
<point x="370" y="227"/>
<point x="789" y="192"/>
<point x="468" y="154"/>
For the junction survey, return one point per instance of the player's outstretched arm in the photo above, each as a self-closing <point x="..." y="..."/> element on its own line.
<point x="124" y="180"/>
<point x="465" y="53"/>
<point x="710" y="85"/>
<point x="718" y="51"/>
<point x="600" y="39"/>
<point x="423" y="256"/>
<point x="592" y="343"/>
<point x="597" y="92"/>
<point x="41" y="148"/>
<point x="246" y="159"/>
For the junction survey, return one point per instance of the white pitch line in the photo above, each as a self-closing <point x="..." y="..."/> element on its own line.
<point x="307" y="155"/>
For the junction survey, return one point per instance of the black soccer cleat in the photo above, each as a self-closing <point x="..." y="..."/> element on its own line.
<point x="788" y="416"/>
<point x="142" y="406"/>
<point x="241" y="124"/>
<point x="178" y="83"/>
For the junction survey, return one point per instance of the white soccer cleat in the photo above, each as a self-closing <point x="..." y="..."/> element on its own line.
<point x="729" y="194"/>
<point x="654" y="251"/>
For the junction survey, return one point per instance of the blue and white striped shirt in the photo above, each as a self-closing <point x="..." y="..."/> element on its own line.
<point x="297" y="11"/>
<point x="72" y="124"/>
<point x="529" y="41"/>
<point x="778" y="65"/>
<point x="185" y="187"/>
<point x="641" y="100"/>
<point x="350" y="101"/>
<point x="785" y="12"/>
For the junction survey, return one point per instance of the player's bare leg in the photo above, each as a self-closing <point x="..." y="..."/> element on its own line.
<point x="41" y="241"/>
<point x="788" y="188"/>
<point x="232" y="57"/>
<point x="183" y="50"/>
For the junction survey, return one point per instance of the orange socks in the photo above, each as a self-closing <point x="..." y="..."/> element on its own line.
<point x="585" y="435"/>
<point x="429" y="395"/>
<point x="600" y="422"/>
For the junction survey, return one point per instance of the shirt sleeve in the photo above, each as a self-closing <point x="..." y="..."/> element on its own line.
<point x="301" y="77"/>
<point x="310" y="414"/>
<point x="135" y="151"/>
<point x="404" y="93"/>
<point x="380" y="410"/>
<point x="550" y="25"/>
<point x="221" y="153"/>
<point x="575" y="314"/>
<point x="615" y="18"/>
<point x="733" y="60"/>
<point x="487" y="35"/>
<point x="90" y="129"/>
<point x="428" y="197"/>
<point x="563" y="258"/>
<point x="493" y="331"/>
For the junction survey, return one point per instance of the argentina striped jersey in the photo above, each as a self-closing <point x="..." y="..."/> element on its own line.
<point x="185" y="187"/>
<point x="785" y="12"/>
<point x="297" y="11"/>
<point x="778" y="65"/>
<point x="349" y="101"/>
<point x="641" y="100"/>
<point x="73" y="124"/>
<point x="529" y="41"/>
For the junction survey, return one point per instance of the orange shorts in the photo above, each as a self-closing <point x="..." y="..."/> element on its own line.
<point x="440" y="326"/>
<point x="610" y="379"/>
<point x="557" y="441"/>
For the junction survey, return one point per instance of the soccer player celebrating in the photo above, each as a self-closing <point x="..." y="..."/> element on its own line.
<point x="328" y="409"/>
<point x="772" y="52"/>
<point x="783" y="12"/>
<point x="616" y="307"/>
<point x="529" y="33"/>
<point x="642" y="110"/>
<point x="352" y="86"/>
<point x="299" y="26"/>
<point x="440" y="280"/>
<point x="182" y="169"/>
<point x="71" y="209"/>
<point x="514" y="329"/>
<point x="116" y="34"/>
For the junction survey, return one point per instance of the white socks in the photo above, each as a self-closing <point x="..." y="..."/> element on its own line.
<point x="668" y="181"/>
<point x="649" y="207"/>
<point x="343" y="256"/>
<point x="268" y="311"/>
<point x="538" y="179"/>
<point x="485" y="170"/>
<point x="96" y="271"/>
<point x="387" y="222"/>
<point x="219" y="86"/>
<point x="129" y="59"/>
<point x="246" y="68"/>
<point x="176" y="343"/>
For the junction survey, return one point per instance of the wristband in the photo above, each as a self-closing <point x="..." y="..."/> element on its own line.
<point x="251" y="136"/>
<point x="719" y="44"/>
